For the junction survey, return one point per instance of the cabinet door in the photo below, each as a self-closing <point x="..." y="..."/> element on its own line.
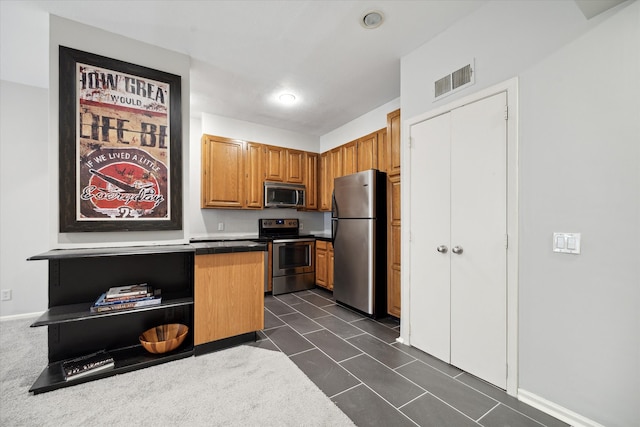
<point x="321" y="263"/>
<point x="336" y="171"/>
<point x="295" y="166"/>
<point x="393" y="246"/>
<point x="275" y="163"/>
<point x="349" y="158"/>
<point x="324" y="182"/>
<point x="367" y="152"/>
<point x="229" y="295"/>
<point x="382" y="151"/>
<point x="223" y="175"/>
<point x="393" y="135"/>
<point x="311" y="180"/>
<point x="254" y="175"/>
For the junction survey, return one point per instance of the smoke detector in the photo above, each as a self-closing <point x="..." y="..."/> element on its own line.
<point x="372" y="19"/>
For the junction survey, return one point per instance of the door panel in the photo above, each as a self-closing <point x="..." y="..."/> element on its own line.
<point x="478" y="218"/>
<point x="430" y="199"/>
<point x="353" y="264"/>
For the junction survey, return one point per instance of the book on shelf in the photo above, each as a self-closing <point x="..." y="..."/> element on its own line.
<point x="123" y="305"/>
<point x="103" y="300"/>
<point x="85" y="365"/>
<point x="129" y="291"/>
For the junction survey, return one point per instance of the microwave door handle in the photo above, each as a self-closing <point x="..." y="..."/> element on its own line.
<point x="297" y="197"/>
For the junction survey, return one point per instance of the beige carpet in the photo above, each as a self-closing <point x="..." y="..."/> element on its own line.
<point x="241" y="386"/>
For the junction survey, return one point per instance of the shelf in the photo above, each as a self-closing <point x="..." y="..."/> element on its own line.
<point x="126" y="360"/>
<point x="79" y="312"/>
<point x="116" y="251"/>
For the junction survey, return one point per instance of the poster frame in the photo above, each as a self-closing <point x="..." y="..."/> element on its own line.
<point x="69" y="146"/>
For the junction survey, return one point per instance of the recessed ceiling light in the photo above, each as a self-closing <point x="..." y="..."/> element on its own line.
<point x="287" y="98"/>
<point x="372" y="19"/>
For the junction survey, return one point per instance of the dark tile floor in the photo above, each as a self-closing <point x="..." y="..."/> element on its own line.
<point x="377" y="381"/>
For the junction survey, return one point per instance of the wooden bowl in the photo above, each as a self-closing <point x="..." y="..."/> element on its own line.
<point x="164" y="338"/>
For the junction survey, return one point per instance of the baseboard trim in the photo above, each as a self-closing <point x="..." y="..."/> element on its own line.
<point x="20" y="316"/>
<point x="555" y="410"/>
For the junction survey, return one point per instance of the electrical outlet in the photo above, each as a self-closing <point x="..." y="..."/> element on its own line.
<point x="301" y="226"/>
<point x="221" y="226"/>
<point x="5" y="295"/>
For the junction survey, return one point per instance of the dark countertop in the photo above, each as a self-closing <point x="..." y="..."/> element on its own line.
<point x="323" y="236"/>
<point x="200" y="248"/>
<point x="227" y="246"/>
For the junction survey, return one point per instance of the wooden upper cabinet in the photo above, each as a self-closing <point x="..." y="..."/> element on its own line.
<point x="223" y="175"/>
<point x="367" y="153"/>
<point x="294" y="166"/>
<point x="324" y="195"/>
<point x="275" y="163"/>
<point x="393" y="135"/>
<point x="311" y="180"/>
<point x="330" y="168"/>
<point x="336" y="165"/>
<point x="349" y="158"/>
<point x="254" y="175"/>
<point x="382" y="150"/>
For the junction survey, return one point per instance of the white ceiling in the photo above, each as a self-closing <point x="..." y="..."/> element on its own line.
<point x="245" y="52"/>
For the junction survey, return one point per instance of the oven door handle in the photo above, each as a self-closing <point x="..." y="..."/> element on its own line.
<point x="306" y="239"/>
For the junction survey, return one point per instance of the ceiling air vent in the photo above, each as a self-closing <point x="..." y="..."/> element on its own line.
<point x="455" y="81"/>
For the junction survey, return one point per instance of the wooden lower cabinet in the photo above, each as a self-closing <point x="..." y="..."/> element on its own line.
<point x="324" y="264"/>
<point x="393" y="245"/>
<point x="228" y="295"/>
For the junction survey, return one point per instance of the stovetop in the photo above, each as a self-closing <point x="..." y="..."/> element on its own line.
<point x="280" y="228"/>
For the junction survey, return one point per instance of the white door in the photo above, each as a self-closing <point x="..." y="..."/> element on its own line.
<point x="467" y="283"/>
<point x="430" y="205"/>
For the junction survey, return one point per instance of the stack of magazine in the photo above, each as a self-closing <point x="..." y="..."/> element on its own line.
<point x="85" y="365"/>
<point x="127" y="297"/>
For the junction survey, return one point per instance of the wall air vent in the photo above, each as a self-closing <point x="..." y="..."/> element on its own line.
<point x="455" y="81"/>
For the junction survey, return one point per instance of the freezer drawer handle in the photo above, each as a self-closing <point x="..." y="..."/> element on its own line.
<point x="457" y="250"/>
<point x="442" y="249"/>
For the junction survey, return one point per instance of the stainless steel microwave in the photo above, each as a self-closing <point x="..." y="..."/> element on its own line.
<point x="281" y="195"/>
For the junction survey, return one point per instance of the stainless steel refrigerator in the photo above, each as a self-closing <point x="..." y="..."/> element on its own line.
<point x="359" y="234"/>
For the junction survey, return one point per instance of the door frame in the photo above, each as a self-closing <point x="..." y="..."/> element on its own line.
<point x="511" y="88"/>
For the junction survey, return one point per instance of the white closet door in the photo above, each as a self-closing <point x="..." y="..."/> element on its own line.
<point x="458" y="300"/>
<point x="430" y="217"/>
<point x="479" y="227"/>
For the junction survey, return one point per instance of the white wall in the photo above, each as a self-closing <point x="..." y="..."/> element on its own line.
<point x="580" y="172"/>
<point x="24" y="196"/>
<point x="370" y="122"/>
<point x="579" y="141"/>
<point x="64" y="32"/>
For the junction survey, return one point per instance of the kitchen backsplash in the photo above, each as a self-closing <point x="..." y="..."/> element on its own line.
<point x="222" y="223"/>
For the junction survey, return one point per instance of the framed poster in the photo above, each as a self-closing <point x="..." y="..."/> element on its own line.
<point x="120" y="135"/>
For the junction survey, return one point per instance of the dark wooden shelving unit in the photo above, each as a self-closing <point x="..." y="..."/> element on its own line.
<point x="77" y="277"/>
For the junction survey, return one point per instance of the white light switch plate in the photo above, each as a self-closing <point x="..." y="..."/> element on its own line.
<point x="566" y="243"/>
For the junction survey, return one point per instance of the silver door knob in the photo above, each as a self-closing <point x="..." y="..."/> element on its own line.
<point x="457" y="249"/>
<point x="442" y="249"/>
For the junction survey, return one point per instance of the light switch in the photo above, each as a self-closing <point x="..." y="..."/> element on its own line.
<point x="566" y="243"/>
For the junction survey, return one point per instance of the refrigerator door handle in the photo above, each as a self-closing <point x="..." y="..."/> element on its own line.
<point x="334" y="205"/>
<point x="334" y="230"/>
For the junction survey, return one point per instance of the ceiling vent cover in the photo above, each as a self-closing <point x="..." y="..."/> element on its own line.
<point x="455" y="81"/>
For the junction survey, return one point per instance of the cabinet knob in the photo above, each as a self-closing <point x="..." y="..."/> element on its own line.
<point x="457" y="250"/>
<point x="442" y="249"/>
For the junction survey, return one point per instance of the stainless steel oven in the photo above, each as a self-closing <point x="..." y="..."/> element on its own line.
<point x="293" y="265"/>
<point x="293" y="256"/>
